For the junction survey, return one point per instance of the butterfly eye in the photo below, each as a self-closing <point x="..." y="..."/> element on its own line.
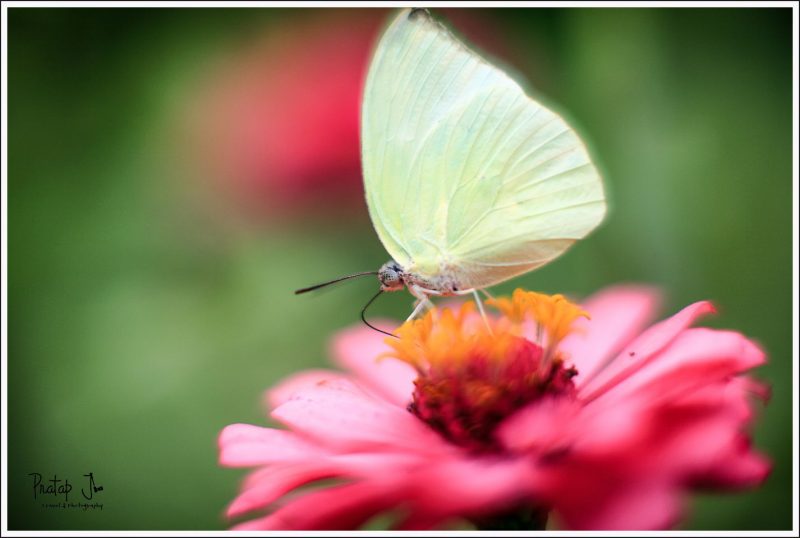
<point x="390" y="276"/>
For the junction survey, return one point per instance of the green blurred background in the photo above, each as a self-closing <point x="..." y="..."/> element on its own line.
<point x="145" y="314"/>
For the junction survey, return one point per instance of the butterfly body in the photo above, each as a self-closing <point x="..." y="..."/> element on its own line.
<point x="444" y="282"/>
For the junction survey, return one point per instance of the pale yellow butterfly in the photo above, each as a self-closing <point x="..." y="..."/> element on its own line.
<point x="469" y="181"/>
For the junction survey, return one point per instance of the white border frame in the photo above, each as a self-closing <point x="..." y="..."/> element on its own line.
<point x="318" y="4"/>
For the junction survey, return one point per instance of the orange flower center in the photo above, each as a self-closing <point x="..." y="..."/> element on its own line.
<point x="473" y="373"/>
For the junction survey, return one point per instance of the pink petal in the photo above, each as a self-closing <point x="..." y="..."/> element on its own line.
<point x="685" y="439"/>
<point x="704" y="446"/>
<point x="696" y="358"/>
<point x="740" y="467"/>
<point x="605" y="493"/>
<point x="606" y="429"/>
<point x="358" y="349"/>
<point x="374" y="465"/>
<point x="243" y="445"/>
<point x="618" y="314"/>
<point x="694" y="373"/>
<point x="680" y="441"/>
<point x="652" y="433"/>
<point x="735" y="394"/>
<point x="543" y="426"/>
<point x="645" y="505"/>
<point x="297" y="382"/>
<point x="702" y="443"/>
<point x="267" y="485"/>
<point x="336" y="508"/>
<point x="636" y="354"/>
<point x="455" y="487"/>
<point x="342" y="416"/>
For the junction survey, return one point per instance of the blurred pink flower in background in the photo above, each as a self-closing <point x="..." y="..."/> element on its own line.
<point x="275" y="127"/>
<point x="604" y="422"/>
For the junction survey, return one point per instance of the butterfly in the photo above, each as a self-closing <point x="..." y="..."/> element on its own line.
<point x="469" y="181"/>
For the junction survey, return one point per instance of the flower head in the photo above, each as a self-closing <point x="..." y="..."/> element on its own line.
<point x="473" y="373"/>
<point x="500" y="421"/>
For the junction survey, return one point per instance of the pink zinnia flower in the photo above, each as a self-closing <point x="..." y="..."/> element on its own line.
<point x="275" y="127"/>
<point x="548" y="408"/>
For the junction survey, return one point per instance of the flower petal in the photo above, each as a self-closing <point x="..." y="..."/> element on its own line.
<point x="696" y="358"/>
<point x="543" y="426"/>
<point x="344" y="417"/>
<point x="358" y="349"/>
<point x="740" y="467"/>
<point x="265" y="486"/>
<point x="737" y="394"/>
<point x="374" y="465"/>
<point x="471" y="486"/>
<point x="636" y="354"/>
<point x="344" y="507"/>
<point x="587" y="492"/>
<point x="289" y="386"/>
<point x="243" y="445"/>
<point x="643" y="505"/>
<point x="617" y="316"/>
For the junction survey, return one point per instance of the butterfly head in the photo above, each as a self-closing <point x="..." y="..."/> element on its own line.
<point x="392" y="276"/>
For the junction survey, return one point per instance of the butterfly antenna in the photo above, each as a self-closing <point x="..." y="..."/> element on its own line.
<point x="334" y="281"/>
<point x="367" y="323"/>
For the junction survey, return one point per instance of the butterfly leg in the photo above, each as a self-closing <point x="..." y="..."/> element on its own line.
<point x="423" y="299"/>
<point x="421" y="303"/>
<point x="478" y="302"/>
<point x="482" y="311"/>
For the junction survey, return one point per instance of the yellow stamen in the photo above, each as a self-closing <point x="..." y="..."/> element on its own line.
<point x="552" y="313"/>
<point x="451" y="336"/>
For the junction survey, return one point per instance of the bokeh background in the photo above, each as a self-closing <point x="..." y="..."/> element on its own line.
<point x="175" y="173"/>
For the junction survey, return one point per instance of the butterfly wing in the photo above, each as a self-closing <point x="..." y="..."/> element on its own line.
<point x="463" y="172"/>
